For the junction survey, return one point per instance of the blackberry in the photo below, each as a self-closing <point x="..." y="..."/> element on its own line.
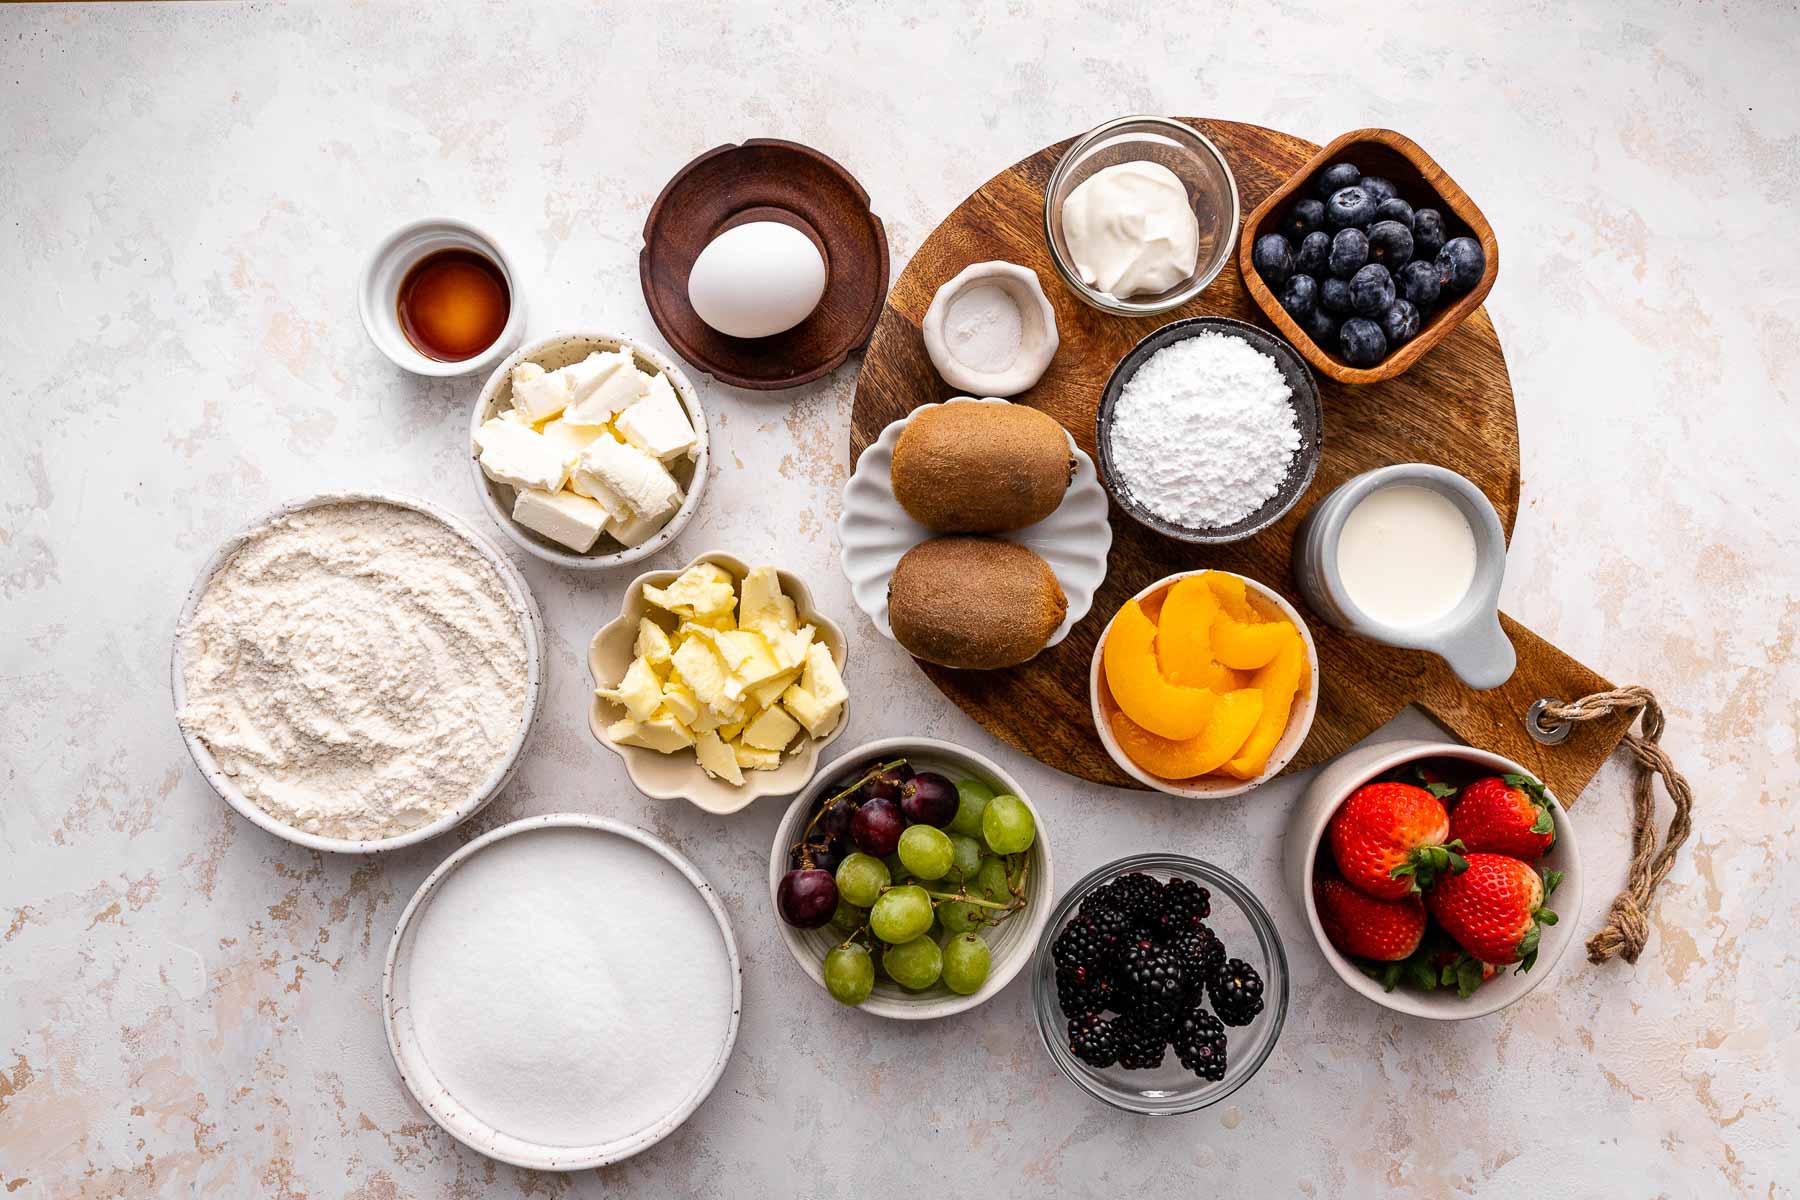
<point x="1082" y="990"/>
<point x="1078" y="945"/>
<point x="1137" y="895"/>
<point x="1140" y="1047"/>
<point x="1236" y="992"/>
<point x="1199" y="953"/>
<point x="1094" y="1040"/>
<point x="1199" y="1042"/>
<point x="1185" y="906"/>
<point x="1150" y="973"/>
<point x="1113" y="926"/>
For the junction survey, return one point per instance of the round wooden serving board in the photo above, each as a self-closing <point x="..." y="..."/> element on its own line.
<point x="1454" y="408"/>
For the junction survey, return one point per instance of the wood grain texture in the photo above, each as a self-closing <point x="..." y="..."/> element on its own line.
<point x="766" y="179"/>
<point x="1454" y="409"/>
<point x="1422" y="184"/>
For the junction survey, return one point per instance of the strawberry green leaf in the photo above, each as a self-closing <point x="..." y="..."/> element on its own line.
<point x="1528" y="946"/>
<point x="1551" y="879"/>
<point x="1545" y="823"/>
<point x="1443" y="791"/>
<point x="1468" y="977"/>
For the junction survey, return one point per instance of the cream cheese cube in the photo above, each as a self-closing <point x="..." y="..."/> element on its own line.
<point x="821" y="676"/>
<point x="769" y="690"/>
<point x="520" y="457"/>
<point x="772" y="730"/>
<point x="575" y="521"/>
<point x="717" y="759"/>
<point x="702" y="592"/>
<point x="538" y="394"/>
<point x="641" y="691"/>
<point x="571" y="439"/>
<point x="680" y="700"/>
<point x="657" y="424"/>
<point x="620" y="388"/>
<point x="818" y="718"/>
<point x="581" y="378"/>
<point x="653" y="643"/>
<point x="641" y="482"/>
<point x="751" y="759"/>
<point x="702" y="670"/>
<point x="634" y="531"/>
<point x="662" y="733"/>
<point x="763" y="607"/>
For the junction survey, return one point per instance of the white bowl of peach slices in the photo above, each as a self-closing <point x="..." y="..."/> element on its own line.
<point x="1204" y="684"/>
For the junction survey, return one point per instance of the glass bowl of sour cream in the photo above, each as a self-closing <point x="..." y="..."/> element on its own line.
<point x="1141" y="214"/>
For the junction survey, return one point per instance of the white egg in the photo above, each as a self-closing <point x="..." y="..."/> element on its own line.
<point x="756" y="280"/>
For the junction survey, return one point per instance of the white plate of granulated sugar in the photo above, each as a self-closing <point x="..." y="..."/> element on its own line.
<point x="563" y="992"/>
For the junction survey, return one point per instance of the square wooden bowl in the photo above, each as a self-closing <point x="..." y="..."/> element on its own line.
<point x="1422" y="184"/>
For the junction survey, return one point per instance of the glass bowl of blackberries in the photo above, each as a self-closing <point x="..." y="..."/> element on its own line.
<point x="1160" y="984"/>
<point x="1368" y="256"/>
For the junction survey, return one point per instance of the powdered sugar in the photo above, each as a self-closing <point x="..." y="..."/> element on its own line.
<point x="1204" y="433"/>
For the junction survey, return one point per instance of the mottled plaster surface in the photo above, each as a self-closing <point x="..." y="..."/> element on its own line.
<point x="190" y="1007"/>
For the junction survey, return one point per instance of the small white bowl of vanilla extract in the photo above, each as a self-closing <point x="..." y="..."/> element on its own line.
<point x="439" y="298"/>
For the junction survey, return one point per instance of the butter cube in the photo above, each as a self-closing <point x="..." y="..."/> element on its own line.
<point x="790" y="648"/>
<point x="622" y="386"/>
<point x="747" y="655"/>
<point x="701" y="592"/>
<point x="520" y="457"/>
<point x="769" y="690"/>
<point x="641" y="691"/>
<point x="571" y="439"/>
<point x="653" y="643"/>
<point x="680" y="700"/>
<point x="763" y="607"/>
<point x="662" y="733"/>
<point x="538" y="394"/>
<point x="730" y="731"/>
<point x="805" y="707"/>
<point x="821" y="676"/>
<point x="702" y="670"/>
<point x="773" y="730"/>
<point x="752" y="759"/>
<point x="640" y="480"/>
<point x="717" y="759"/>
<point x="575" y="521"/>
<point x="657" y="424"/>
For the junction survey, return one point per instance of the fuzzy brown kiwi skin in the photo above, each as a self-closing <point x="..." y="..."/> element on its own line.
<point x="981" y="468"/>
<point x="974" y="603"/>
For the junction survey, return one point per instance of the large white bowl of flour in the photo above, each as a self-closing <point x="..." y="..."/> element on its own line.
<point x="357" y="671"/>
<point x="563" y="992"/>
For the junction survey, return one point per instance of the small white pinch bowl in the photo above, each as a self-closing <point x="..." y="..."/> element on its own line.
<point x="1305" y="839"/>
<point x="1011" y="948"/>
<point x="1269" y="603"/>
<point x="1038" y="336"/>
<point x="551" y="353"/>
<point x="531" y="625"/>
<point x="378" y="293"/>
<point x="875" y="532"/>
<point x="679" y="776"/>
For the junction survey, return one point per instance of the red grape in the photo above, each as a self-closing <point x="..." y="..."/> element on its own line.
<point x="928" y="799"/>
<point x="877" y="827"/>
<point x="807" y="899"/>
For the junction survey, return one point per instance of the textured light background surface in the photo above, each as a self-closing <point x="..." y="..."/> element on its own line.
<point x="190" y="1007"/>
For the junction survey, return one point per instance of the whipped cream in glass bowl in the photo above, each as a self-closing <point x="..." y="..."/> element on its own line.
<point x="1141" y="215"/>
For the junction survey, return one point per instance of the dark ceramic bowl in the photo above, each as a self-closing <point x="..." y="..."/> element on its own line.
<point x="1306" y="415"/>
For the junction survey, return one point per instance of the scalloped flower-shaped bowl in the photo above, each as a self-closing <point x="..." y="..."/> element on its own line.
<point x="679" y="776"/>
<point x="876" y="532"/>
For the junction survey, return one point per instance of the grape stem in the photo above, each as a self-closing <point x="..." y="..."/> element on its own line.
<point x="828" y="804"/>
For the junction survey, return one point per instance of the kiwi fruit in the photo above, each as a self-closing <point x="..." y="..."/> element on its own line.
<point x="981" y="468"/>
<point x="974" y="602"/>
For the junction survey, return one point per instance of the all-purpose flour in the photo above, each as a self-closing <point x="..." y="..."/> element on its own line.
<point x="356" y="668"/>
<point x="1204" y="433"/>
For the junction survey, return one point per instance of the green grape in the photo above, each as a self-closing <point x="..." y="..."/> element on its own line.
<point x="1007" y="825"/>
<point x="849" y="974"/>
<point x="897" y="872"/>
<point x="958" y="916"/>
<point x="902" y="914"/>
<point x="860" y="878"/>
<point x="992" y="884"/>
<point x="849" y="917"/>
<point x="965" y="858"/>
<point x="926" y="851"/>
<point x="972" y="798"/>
<point x="966" y="960"/>
<point x="915" y="964"/>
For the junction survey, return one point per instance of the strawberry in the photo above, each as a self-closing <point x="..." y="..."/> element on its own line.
<point x="1364" y="927"/>
<point x="1505" y="814"/>
<point x="1389" y="840"/>
<point x="1495" y="909"/>
<point x="1438" y="962"/>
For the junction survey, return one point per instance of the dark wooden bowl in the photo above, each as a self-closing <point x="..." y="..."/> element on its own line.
<point x="766" y="180"/>
<point x="1422" y="184"/>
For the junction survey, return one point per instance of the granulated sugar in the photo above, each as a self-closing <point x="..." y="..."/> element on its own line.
<point x="1203" y="435"/>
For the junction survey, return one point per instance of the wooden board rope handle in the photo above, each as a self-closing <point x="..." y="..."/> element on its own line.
<point x="1627" y="925"/>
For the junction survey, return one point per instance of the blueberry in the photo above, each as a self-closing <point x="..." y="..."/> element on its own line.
<point x="1348" y="207"/>
<point x="1376" y="186"/>
<point x="1274" y="259"/>
<point x="1349" y="251"/>
<point x="1322" y="327"/>
<point x="1315" y="253"/>
<point x="1395" y="209"/>
<point x="1362" y="342"/>
<point x="1399" y="323"/>
<point x="1428" y="232"/>
<point x="1303" y="218"/>
<point x="1301" y="296"/>
<point x="1334" y="295"/>
<point x="1390" y="243"/>
<point x="1371" y="289"/>
<point x="1336" y="176"/>
<point x="1419" y="283"/>
<point x="1460" y="263"/>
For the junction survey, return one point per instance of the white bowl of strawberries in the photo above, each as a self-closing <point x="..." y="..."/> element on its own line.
<point x="1439" y="880"/>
